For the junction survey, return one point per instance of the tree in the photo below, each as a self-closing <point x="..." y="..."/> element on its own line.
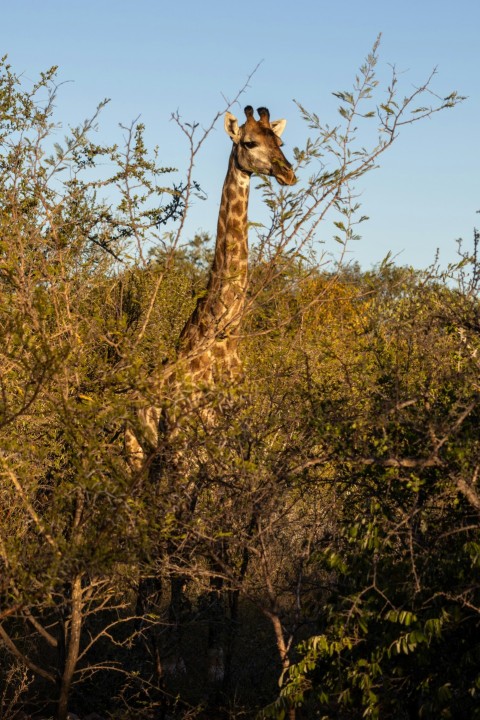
<point x="93" y="296"/>
<point x="398" y="633"/>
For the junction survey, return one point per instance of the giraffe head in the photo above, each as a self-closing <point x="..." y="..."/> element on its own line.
<point x="257" y="145"/>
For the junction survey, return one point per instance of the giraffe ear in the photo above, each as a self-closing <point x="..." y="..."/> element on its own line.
<point x="278" y="126"/>
<point x="231" y="127"/>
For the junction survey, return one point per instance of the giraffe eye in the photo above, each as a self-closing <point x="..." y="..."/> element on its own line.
<point x="249" y="145"/>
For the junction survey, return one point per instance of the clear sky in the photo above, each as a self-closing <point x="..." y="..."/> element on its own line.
<point x="154" y="57"/>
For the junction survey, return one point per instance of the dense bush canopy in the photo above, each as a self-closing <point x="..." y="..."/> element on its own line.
<point x="324" y="528"/>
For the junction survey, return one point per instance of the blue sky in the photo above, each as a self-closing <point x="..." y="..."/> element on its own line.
<point x="152" y="58"/>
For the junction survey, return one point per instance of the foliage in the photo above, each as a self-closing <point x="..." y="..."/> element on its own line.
<point x="324" y="530"/>
<point x="398" y="633"/>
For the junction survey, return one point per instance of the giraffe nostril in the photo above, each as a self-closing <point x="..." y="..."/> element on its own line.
<point x="282" y="170"/>
<point x="288" y="177"/>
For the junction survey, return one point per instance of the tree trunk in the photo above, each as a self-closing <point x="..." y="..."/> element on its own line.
<point x="216" y="627"/>
<point x="234" y="598"/>
<point x="178" y="610"/>
<point x="149" y="597"/>
<point x="72" y="646"/>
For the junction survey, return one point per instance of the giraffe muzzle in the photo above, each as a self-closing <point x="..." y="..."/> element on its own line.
<point x="285" y="175"/>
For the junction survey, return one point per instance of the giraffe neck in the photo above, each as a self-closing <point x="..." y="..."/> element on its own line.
<point x="218" y="314"/>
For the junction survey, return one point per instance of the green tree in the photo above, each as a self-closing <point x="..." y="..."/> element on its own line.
<point x="397" y="634"/>
<point x="351" y="387"/>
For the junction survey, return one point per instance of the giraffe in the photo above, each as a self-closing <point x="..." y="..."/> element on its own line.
<point x="210" y="337"/>
<point x="208" y="343"/>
